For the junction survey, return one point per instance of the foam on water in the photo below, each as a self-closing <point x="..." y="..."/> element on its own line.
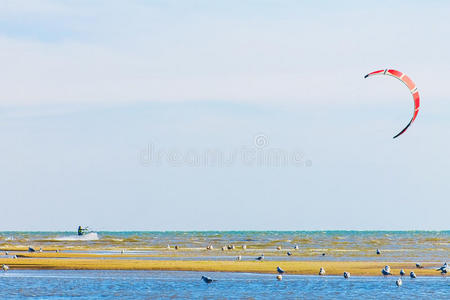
<point x="91" y="236"/>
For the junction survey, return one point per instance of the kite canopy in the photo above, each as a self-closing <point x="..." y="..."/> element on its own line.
<point x="411" y="86"/>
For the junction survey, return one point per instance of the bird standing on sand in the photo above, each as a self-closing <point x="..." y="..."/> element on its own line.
<point x="402" y="272"/>
<point x="239" y="257"/>
<point x="288" y="253"/>
<point x="260" y="258"/>
<point x="5" y="268"/>
<point x="378" y="252"/>
<point x="296" y="247"/>
<point x="346" y="275"/>
<point x="207" y="279"/>
<point x="443" y="268"/>
<point x="419" y="266"/>
<point x="386" y="271"/>
<point x="244" y="247"/>
<point x="398" y="282"/>
<point x="322" y="271"/>
<point x="280" y="270"/>
<point x="412" y="275"/>
<point x="30" y="249"/>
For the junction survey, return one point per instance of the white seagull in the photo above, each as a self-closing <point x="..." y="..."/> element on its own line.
<point x="386" y="271"/>
<point x="346" y="275"/>
<point x="5" y="268"/>
<point x="322" y="271"/>
<point x="402" y="272"/>
<point x="260" y="258"/>
<point x="443" y="268"/>
<point x="412" y="275"/>
<point x="398" y="282"/>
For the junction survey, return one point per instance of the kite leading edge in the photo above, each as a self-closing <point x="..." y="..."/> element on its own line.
<point x="411" y="86"/>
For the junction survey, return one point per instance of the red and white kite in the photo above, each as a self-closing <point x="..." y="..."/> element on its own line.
<point x="411" y="86"/>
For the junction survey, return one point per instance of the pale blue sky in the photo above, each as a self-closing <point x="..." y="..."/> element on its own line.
<point x="87" y="86"/>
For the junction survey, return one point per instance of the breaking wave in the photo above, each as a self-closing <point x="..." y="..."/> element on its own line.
<point x="92" y="236"/>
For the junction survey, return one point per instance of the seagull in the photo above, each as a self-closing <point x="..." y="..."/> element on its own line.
<point x="176" y="247"/>
<point x="346" y="275"/>
<point x="443" y="272"/>
<point x="260" y="258"/>
<point x="398" y="282"/>
<point x="280" y="270"/>
<point x="296" y="247"/>
<point x="244" y="247"/>
<point x="323" y="254"/>
<point x="5" y="268"/>
<point x="207" y="279"/>
<point x="412" y="275"/>
<point x="288" y="253"/>
<point x="279" y="277"/>
<point x="443" y="268"/>
<point x="279" y="248"/>
<point x="224" y="248"/>
<point x="239" y="257"/>
<point x="385" y="273"/>
<point x="402" y="272"/>
<point x="30" y="249"/>
<point x="40" y="249"/>
<point x="378" y="252"/>
<point x="418" y="265"/>
<point x="322" y="271"/>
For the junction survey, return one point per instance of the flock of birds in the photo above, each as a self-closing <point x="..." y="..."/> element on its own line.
<point x="386" y="271"/>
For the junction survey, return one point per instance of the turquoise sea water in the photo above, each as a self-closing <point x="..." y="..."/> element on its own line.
<point x="82" y="284"/>
<point x="417" y="246"/>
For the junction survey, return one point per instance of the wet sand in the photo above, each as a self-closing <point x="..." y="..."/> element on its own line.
<point x="88" y="261"/>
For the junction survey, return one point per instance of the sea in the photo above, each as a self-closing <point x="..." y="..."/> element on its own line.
<point x="413" y="246"/>
<point x="91" y="284"/>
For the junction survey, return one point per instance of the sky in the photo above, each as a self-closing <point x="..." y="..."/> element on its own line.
<point x="223" y="115"/>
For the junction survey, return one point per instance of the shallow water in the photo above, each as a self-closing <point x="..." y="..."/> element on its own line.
<point x="89" y="284"/>
<point x="338" y="245"/>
